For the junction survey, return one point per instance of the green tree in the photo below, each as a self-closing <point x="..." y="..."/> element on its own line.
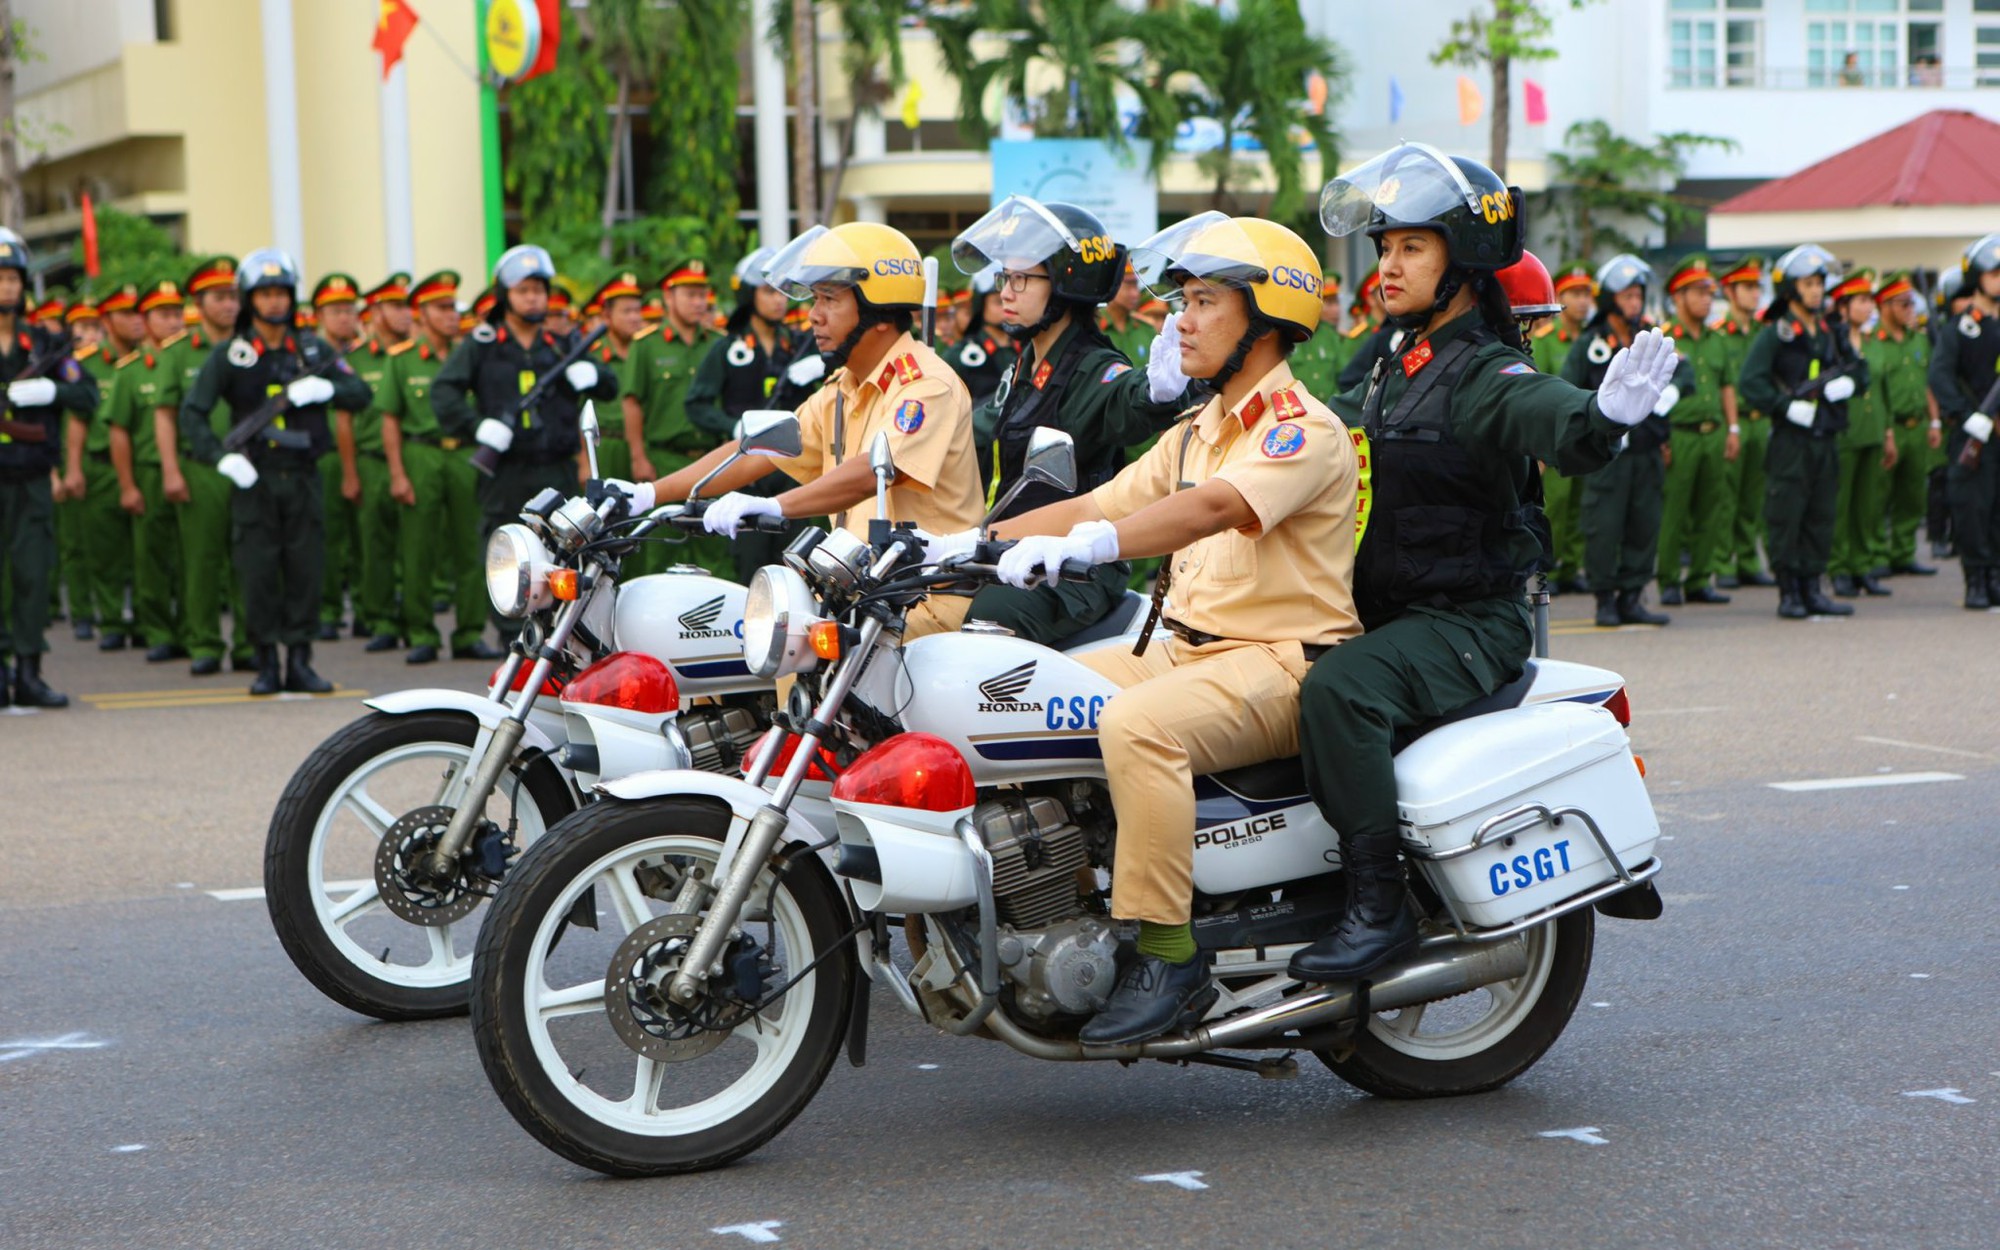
<point x="133" y="249"/>
<point x="1514" y="30"/>
<point x="557" y="142"/>
<point x="630" y="40"/>
<point x="1253" y="66"/>
<point x="1602" y="178"/>
<point x="694" y="119"/>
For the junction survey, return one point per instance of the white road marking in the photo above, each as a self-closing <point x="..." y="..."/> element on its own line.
<point x="1863" y="783"/>
<point x="1600" y="1004"/>
<point x="244" y="894"/>
<point x="10" y="1051"/>
<point x="1942" y="1095"/>
<point x="926" y="1067"/>
<point x="21" y="711"/>
<point x="1923" y="746"/>
<point x="1899" y="887"/>
<point x="1920" y="976"/>
<point x="127" y="1149"/>
<point x="1179" y="1180"/>
<point x="1588" y="1136"/>
<point x="760" y="1231"/>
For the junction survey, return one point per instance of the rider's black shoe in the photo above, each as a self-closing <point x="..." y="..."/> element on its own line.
<point x="1152" y="997"/>
<point x="1377" y="929"/>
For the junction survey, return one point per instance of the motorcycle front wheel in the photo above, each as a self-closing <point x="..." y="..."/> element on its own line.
<point x="321" y="874"/>
<point x="569" y="1010"/>
<point x="1479" y="1040"/>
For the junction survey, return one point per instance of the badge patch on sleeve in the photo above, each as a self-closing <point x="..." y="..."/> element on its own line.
<point x="1519" y="366"/>
<point x="1113" y="371"/>
<point x="1284" y="440"/>
<point x="910" y="416"/>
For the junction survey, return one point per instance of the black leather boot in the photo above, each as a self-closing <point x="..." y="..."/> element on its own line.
<point x="267" y="681"/>
<point x="1633" y="612"/>
<point x="1790" y="606"/>
<point x="1702" y="592"/>
<point x="1871" y="583"/>
<point x="6" y="685"/>
<point x="1757" y="579"/>
<point x="1978" y="596"/>
<point x="1843" y="585"/>
<point x="1607" y="609"/>
<point x="299" y="675"/>
<point x="1377" y="928"/>
<point x="29" y="689"/>
<point x="1816" y="601"/>
<point x="1670" y="594"/>
<point x="1152" y="998"/>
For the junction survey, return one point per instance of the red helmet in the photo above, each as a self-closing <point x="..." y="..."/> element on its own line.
<point x="1529" y="289"/>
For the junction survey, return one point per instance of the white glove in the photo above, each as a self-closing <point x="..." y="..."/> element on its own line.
<point x="306" y="392"/>
<point x="1838" y="389"/>
<point x="1668" y="398"/>
<point x="238" y="469"/>
<point x="1800" y="412"/>
<point x="582" y="376"/>
<point x="31" y="393"/>
<point x="941" y="547"/>
<point x="1100" y="539"/>
<point x="1636" y="377"/>
<point x="493" y="434"/>
<point x="1091" y="542"/>
<point x="1164" y="379"/>
<point x="727" y="514"/>
<point x="1979" y="427"/>
<point x="806" y="370"/>
<point x="642" y="496"/>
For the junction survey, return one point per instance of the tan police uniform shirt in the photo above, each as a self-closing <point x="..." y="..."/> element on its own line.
<point x="1290" y="575"/>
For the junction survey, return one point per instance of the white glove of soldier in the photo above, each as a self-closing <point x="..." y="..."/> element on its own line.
<point x="31" y="393"/>
<point x="581" y="376"/>
<point x="641" y="496"/>
<point x="727" y="514"/>
<point x="1636" y="378"/>
<point x="806" y="370"/>
<point x="238" y="469"/>
<point x="1979" y="427"/>
<point x="1838" y="389"/>
<point x="941" y="547"/>
<point x="1800" y="412"/>
<point x="1164" y="379"/>
<point x="306" y="392"/>
<point x="494" y="434"/>
<point x="1668" y="398"/>
<point x="1091" y="542"/>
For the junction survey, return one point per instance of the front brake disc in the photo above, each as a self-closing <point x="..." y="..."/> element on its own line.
<point x="406" y="886"/>
<point x="635" y="996"/>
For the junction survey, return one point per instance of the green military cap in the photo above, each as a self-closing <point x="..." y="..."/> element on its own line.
<point x="52" y="306"/>
<point x="1895" y="285"/>
<point x="1574" y="274"/>
<point x="440" y="285"/>
<point x="1860" y="282"/>
<point x="621" y="285"/>
<point x="1691" y="271"/>
<point x="216" y="271"/>
<point x="690" y="272"/>
<point x="1749" y="269"/>
<point x="393" y="289"/>
<point x="336" y="288"/>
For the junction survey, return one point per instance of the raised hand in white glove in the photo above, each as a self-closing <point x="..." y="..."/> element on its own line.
<point x="494" y="434"/>
<point x="31" y="393"/>
<point x="1838" y="389"/>
<point x="806" y="370"/>
<point x="306" y="392"/>
<point x="1800" y="412"/>
<point x="640" y="497"/>
<point x="941" y="547"/>
<point x="1636" y="377"/>
<point x="1668" y="398"/>
<point x="238" y="469"/>
<point x="727" y="514"/>
<point x="1979" y="427"/>
<point x="1164" y="379"/>
<point x="581" y="376"/>
<point x="1091" y="542"/>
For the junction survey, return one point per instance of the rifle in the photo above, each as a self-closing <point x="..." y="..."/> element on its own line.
<point x="1968" y="455"/>
<point x="250" y="428"/>
<point x="38" y="366"/>
<point x="486" y="459"/>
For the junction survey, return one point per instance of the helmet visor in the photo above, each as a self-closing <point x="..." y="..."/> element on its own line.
<point x="267" y="266"/>
<point x="1984" y="255"/>
<point x="1208" y="246"/>
<point x="524" y="262"/>
<point x="1805" y="260"/>
<point x="819" y="257"/>
<point x="1407" y="185"/>
<point x="1016" y="233"/>
<point x="753" y="270"/>
<point x="1622" y="271"/>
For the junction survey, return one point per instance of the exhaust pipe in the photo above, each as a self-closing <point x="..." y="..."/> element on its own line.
<point x="1436" y="972"/>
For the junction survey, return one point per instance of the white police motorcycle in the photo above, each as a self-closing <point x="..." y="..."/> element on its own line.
<point x="665" y="984"/>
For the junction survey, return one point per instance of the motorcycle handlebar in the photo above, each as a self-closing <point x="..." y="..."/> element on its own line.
<point x="1071" y="571"/>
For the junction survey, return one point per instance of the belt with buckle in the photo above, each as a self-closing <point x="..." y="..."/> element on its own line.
<point x="451" y="444"/>
<point x="1704" y="427"/>
<point x="1195" y="638"/>
<point x="1909" y="423"/>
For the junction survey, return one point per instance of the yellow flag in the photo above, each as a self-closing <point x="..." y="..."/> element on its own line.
<point x="912" y="96"/>
<point x="1471" y="105"/>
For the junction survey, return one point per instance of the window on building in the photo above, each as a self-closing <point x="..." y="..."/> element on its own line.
<point x="1986" y="56"/>
<point x="163" y="20"/>
<point x="1713" y="43"/>
<point x="1854" y="43"/>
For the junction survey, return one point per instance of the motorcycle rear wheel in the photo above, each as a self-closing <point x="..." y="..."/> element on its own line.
<point x="1481" y="1040"/>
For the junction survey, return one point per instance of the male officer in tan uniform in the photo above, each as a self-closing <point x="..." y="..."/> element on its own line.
<point x="1254" y="500"/>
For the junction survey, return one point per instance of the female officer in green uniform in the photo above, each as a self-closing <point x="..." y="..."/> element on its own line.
<point x="1056" y="264"/>
<point x="1453" y="423"/>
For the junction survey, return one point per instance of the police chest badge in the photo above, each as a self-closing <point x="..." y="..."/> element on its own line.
<point x="241" y="354"/>
<point x="740" y="354"/>
<point x="1284" y="441"/>
<point x="1787" y="331"/>
<point x="483" y="333"/>
<point x="973" y="356"/>
<point x="1599" y="351"/>
<point x="910" y="416"/>
<point x="1968" y="325"/>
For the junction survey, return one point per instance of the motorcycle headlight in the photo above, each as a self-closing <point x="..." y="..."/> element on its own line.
<point x="777" y="612"/>
<point x="517" y="571"/>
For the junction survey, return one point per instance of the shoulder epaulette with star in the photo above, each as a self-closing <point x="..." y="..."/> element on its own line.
<point x="404" y="346"/>
<point x="1546" y="329"/>
<point x="128" y="358"/>
<point x="84" y="351"/>
<point x="172" y="339"/>
<point x="903" y="369"/>
<point x="644" y="331"/>
<point x="1358" y="331"/>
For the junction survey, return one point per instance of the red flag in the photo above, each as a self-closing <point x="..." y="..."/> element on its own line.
<point x="394" y="21"/>
<point x="90" y="266"/>
<point x="545" y="55"/>
<point x="1537" y="104"/>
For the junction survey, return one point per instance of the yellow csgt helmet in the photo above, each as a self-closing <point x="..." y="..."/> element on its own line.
<point x="879" y="262"/>
<point x="1273" y="267"/>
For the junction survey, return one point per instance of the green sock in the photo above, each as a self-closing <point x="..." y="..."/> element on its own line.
<point x="1171" y="942"/>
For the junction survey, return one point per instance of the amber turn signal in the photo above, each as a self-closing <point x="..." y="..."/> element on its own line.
<point x="562" y="584"/>
<point x="825" y="639"/>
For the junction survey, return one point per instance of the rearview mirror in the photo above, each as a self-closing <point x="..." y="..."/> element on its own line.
<point x="879" y="458"/>
<point x="1051" y="459"/>
<point x="770" y="432"/>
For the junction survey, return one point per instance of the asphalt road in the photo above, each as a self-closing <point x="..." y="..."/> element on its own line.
<point x="1805" y="1050"/>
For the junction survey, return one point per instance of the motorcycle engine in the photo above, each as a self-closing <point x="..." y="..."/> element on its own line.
<point x="718" y="736"/>
<point x="1060" y="960"/>
<point x="1065" y="969"/>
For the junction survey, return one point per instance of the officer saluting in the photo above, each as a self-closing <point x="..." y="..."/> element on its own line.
<point x="1961" y="373"/>
<point x="277" y="517"/>
<point x="43" y="382"/>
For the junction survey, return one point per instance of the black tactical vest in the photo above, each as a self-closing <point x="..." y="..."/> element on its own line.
<point x="1978" y="354"/>
<point x="1023" y="406"/>
<point x="1792" y="365"/>
<point x="1436" y="535"/>
<point x="35" y="353"/>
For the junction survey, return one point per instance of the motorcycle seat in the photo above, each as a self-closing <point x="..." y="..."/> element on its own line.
<point x="1286" y="778"/>
<point x="1125" y="616"/>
